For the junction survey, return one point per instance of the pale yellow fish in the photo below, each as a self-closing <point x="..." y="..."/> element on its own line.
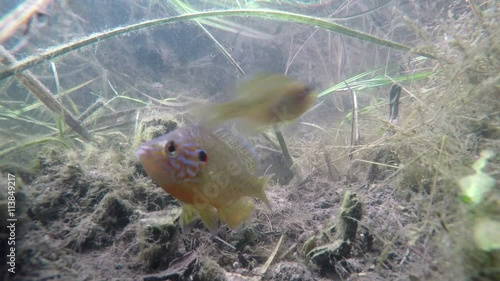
<point x="212" y="173"/>
<point x="264" y="100"/>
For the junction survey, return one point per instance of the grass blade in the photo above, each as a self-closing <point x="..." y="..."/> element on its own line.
<point x="270" y="14"/>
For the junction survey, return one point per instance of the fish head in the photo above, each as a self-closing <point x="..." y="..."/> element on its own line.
<point x="302" y="95"/>
<point x="173" y="159"/>
<point x="297" y="99"/>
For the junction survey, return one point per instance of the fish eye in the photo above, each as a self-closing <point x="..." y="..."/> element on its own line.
<point x="202" y="155"/>
<point x="171" y="148"/>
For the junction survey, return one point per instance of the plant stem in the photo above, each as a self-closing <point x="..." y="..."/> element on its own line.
<point x="272" y="14"/>
<point x="38" y="89"/>
<point x="284" y="148"/>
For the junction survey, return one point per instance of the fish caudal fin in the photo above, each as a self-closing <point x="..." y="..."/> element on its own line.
<point x="237" y="213"/>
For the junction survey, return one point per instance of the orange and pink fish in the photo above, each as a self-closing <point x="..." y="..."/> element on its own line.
<point x="211" y="172"/>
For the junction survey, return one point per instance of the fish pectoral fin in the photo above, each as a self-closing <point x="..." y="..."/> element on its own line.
<point x="208" y="216"/>
<point x="235" y="214"/>
<point x="189" y="215"/>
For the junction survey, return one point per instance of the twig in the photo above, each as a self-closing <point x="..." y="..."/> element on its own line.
<point x="224" y="242"/>
<point x="271" y="257"/>
<point x="92" y="108"/>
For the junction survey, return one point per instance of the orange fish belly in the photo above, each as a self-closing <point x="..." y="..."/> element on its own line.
<point x="181" y="193"/>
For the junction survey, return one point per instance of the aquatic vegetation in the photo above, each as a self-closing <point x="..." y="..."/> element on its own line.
<point x="63" y="49"/>
<point x="82" y="93"/>
<point x="475" y="187"/>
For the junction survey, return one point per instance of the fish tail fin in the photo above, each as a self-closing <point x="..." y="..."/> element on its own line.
<point x="237" y="213"/>
<point x="260" y="190"/>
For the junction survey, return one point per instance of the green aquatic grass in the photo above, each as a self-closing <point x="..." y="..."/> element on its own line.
<point x="189" y="13"/>
<point x="125" y="97"/>
<point x="183" y="7"/>
<point x="58" y="89"/>
<point x="38" y="103"/>
<point x="358" y="83"/>
<point x="9" y="115"/>
<point x="60" y="126"/>
<point x="21" y="115"/>
<point x="270" y="14"/>
<point x="38" y="141"/>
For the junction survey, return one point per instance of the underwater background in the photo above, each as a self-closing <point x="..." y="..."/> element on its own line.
<point x="390" y="173"/>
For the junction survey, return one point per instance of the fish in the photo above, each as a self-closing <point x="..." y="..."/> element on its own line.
<point x="264" y="100"/>
<point x="212" y="172"/>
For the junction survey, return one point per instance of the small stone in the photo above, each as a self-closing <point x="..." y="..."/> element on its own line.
<point x="209" y="270"/>
<point x="291" y="271"/>
<point x="156" y="233"/>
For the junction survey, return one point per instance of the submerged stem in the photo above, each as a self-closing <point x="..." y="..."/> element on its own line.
<point x="284" y="148"/>
<point x="38" y="89"/>
<point x="272" y="14"/>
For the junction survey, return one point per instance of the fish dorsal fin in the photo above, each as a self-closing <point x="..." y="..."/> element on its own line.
<point x="245" y="151"/>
